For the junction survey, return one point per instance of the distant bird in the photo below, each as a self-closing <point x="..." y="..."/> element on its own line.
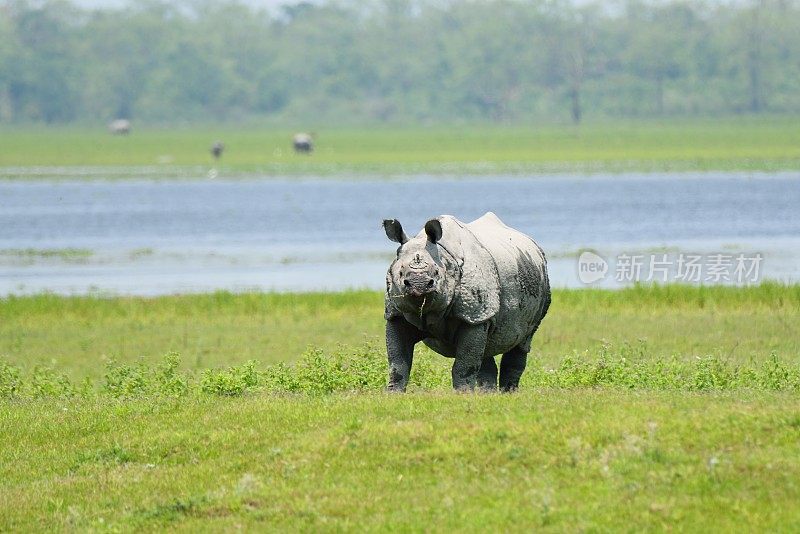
<point x="303" y="143"/>
<point x="216" y="149"/>
<point x="119" y="127"/>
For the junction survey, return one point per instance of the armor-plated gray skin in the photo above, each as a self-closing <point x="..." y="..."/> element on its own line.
<point x="469" y="292"/>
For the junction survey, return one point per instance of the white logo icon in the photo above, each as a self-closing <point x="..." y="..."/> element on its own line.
<point x="591" y="267"/>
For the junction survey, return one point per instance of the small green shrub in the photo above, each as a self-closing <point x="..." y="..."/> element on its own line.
<point x="123" y="380"/>
<point x="777" y="376"/>
<point x="711" y="373"/>
<point x="318" y="373"/>
<point x="431" y="372"/>
<point x="280" y="377"/>
<point x="169" y="381"/>
<point x="230" y="382"/>
<point x="45" y="382"/>
<point x="345" y="369"/>
<point x="164" y="379"/>
<point x="10" y="381"/>
<point x="349" y="369"/>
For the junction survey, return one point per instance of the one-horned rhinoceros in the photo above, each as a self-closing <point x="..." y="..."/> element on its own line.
<point x="469" y="292"/>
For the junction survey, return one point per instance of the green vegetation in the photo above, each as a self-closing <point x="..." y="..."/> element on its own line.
<point x="79" y="335"/>
<point x="733" y="144"/>
<point x="645" y="408"/>
<point x="396" y="61"/>
<point x="364" y="369"/>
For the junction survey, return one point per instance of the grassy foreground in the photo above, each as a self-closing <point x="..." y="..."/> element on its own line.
<point x="697" y="427"/>
<point x="554" y="459"/>
<point x="747" y="143"/>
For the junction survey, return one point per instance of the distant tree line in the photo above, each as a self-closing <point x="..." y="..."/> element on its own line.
<point x="397" y="60"/>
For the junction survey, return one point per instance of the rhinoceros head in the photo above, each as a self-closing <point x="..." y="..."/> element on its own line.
<point x="442" y="265"/>
<point x="423" y="274"/>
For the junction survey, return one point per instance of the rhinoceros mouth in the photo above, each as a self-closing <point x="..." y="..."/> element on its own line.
<point x="418" y="286"/>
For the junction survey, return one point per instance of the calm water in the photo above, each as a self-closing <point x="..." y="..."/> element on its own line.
<point x="165" y="236"/>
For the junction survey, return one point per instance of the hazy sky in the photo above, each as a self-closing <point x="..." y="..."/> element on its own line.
<point x="276" y="3"/>
<point x="117" y="3"/>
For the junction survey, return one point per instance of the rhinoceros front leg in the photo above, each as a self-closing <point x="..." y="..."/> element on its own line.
<point x="511" y="368"/>
<point x="401" y="336"/>
<point x="470" y="346"/>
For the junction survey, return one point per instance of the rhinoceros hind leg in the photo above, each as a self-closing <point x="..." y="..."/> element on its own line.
<point x="487" y="376"/>
<point x="511" y="367"/>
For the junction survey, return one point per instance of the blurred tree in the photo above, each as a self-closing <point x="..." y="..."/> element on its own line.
<point x="661" y="46"/>
<point x="396" y="60"/>
<point x="123" y="49"/>
<point x="579" y="56"/>
<point x="44" y="75"/>
<point x="9" y="71"/>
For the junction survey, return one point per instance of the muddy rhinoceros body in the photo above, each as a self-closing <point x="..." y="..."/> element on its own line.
<point x="469" y="292"/>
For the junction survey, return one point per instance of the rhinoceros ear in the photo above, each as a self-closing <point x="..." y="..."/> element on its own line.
<point x="394" y="231"/>
<point x="433" y="229"/>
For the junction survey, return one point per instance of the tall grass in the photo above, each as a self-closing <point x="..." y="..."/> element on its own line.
<point x="772" y="295"/>
<point x="77" y="336"/>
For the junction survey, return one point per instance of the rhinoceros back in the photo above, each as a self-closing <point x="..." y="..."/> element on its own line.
<point x="524" y="285"/>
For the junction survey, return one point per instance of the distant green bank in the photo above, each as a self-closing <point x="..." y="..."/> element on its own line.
<point x="734" y="144"/>
<point x="30" y="254"/>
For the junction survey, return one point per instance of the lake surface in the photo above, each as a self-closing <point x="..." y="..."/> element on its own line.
<point x="153" y="237"/>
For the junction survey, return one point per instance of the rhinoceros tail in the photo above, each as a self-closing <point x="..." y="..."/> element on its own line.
<point x="545" y="304"/>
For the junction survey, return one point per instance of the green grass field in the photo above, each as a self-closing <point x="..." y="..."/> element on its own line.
<point x="77" y="335"/>
<point x="560" y="460"/>
<point x="746" y="143"/>
<point x="649" y="408"/>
